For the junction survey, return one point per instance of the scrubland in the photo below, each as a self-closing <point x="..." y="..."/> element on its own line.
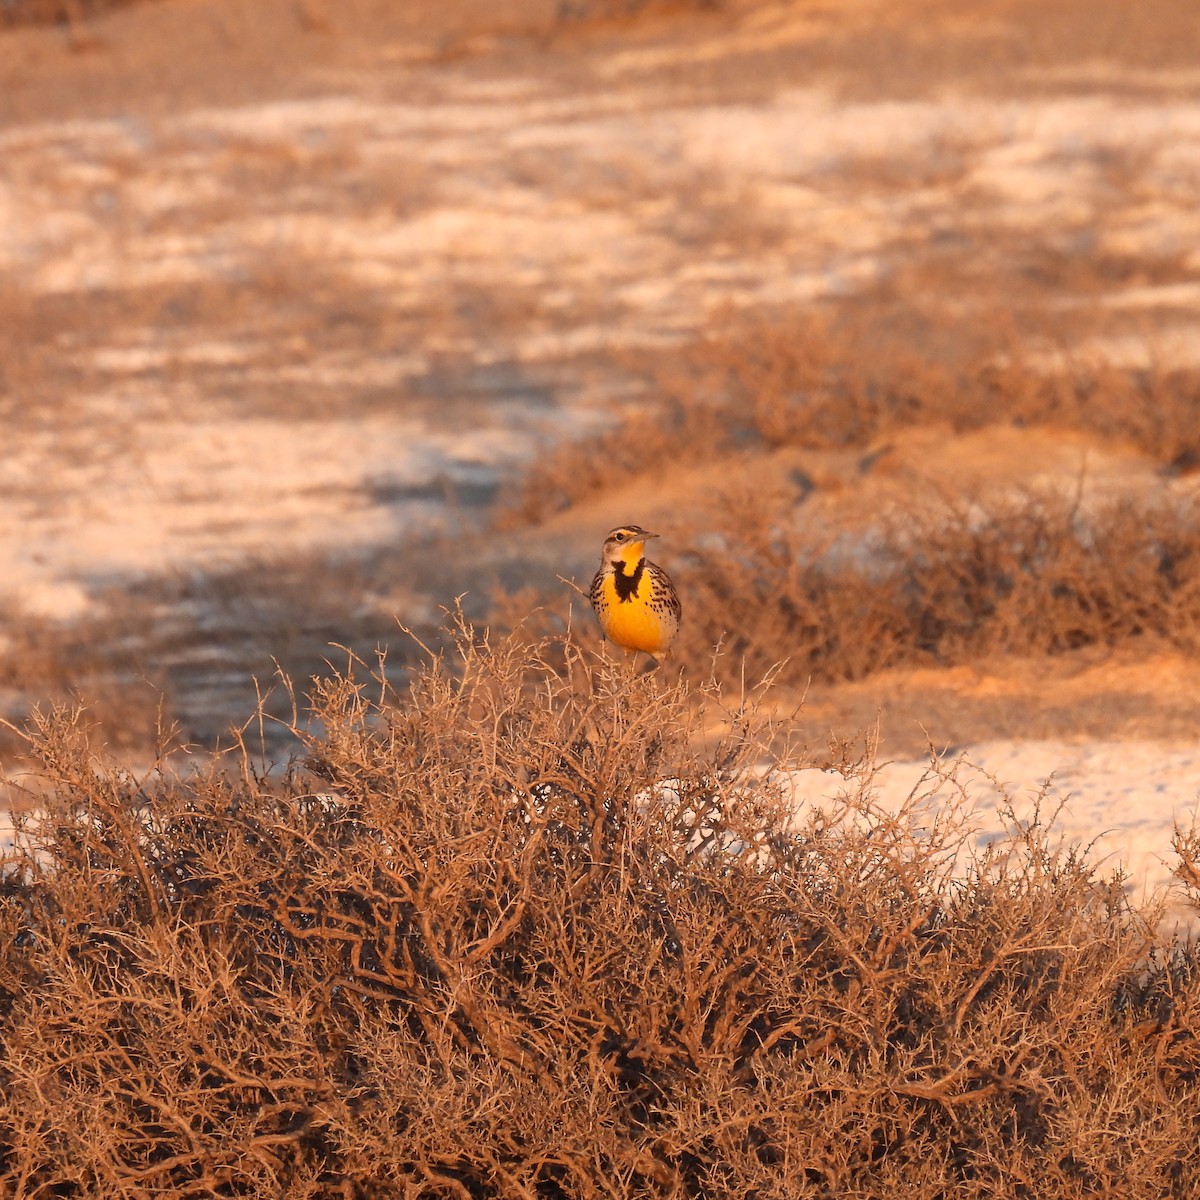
<point x="537" y="925"/>
<point x="346" y="861"/>
<point x="886" y="572"/>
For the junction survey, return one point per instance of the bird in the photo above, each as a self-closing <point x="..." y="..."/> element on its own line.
<point x="634" y="599"/>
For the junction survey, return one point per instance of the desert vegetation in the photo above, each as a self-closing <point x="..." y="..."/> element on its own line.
<point x="319" y="316"/>
<point x="536" y="925"/>
<point x="842" y="380"/>
<point x="933" y="575"/>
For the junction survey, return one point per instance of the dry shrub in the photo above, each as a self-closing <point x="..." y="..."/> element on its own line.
<point x="1030" y="574"/>
<point x="525" y="933"/>
<point x="678" y="429"/>
<point x="821" y="383"/>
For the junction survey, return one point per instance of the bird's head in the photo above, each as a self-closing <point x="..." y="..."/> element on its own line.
<point x="626" y="544"/>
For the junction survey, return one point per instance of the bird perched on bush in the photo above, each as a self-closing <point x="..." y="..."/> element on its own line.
<point x="635" y="599"/>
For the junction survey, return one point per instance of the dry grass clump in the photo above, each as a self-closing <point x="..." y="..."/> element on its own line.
<point x="678" y="429"/>
<point x="938" y="585"/>
<point x="814" y="383"/>
<point x="524" y="933"/>
<point x="819" y="384"/>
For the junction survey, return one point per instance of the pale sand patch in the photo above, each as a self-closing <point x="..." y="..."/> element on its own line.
<point x="1124" y="799"/>
<point x="1169" y="348"/>
<point x="140" y="497"/>
<point x="789" y="161"/>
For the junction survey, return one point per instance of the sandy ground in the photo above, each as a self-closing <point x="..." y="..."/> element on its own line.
<point x="282" y="296"/>
<point x="1122" y="800"/>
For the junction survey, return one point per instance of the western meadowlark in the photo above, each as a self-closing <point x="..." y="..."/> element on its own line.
<point x="635" y="599"/>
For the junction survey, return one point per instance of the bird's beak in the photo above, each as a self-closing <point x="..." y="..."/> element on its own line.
<point x="647" y="536"/>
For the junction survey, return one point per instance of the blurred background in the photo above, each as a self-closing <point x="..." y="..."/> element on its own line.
<point x="315" y="316"/>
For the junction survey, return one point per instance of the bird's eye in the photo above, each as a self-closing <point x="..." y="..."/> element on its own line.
<point x="619" y="536"/>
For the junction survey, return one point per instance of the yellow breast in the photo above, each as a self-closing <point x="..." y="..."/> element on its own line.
<point x="635" y="623"/>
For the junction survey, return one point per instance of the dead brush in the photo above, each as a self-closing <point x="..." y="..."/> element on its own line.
<point x="936" y="584"/>
<point x="683" y="429"/>
<point x="829" y="382"/>
<point x="519" y="931"/>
